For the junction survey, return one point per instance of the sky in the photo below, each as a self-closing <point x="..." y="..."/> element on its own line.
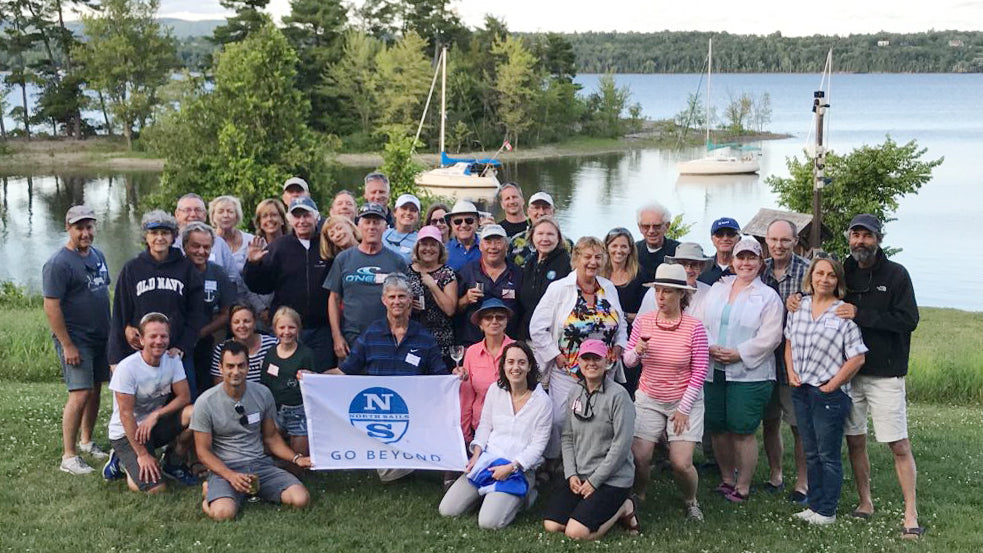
<point x="791" y="18"/>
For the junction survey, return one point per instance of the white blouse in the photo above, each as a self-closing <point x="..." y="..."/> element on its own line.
<point x="519" y="437"/>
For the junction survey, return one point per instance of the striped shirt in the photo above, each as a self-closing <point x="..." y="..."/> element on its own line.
<point x="675" y="362"/>
<point x="377" y="353"/>
<point x="821" y="346"/>
<point x="255" y="360"/>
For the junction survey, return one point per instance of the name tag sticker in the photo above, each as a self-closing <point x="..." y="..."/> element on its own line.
<point x="211" y="285"/>
<point x="508" y="294"/>
<point x="273" y="370"/>
<point x="405" y="249"/>
<point x="380" y="277"/>
<point x="576" y="406"/>
<point x="252" y="418"/>
<point x="413" y="359"/>
<point x="831" y="322"/>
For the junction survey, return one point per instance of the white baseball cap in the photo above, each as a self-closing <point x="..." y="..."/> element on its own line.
<point x="404" y="199"/>
<point x="541" y="197"/>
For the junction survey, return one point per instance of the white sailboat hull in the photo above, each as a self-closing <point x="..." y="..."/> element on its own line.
<point x="718" y="166"/>
<point x="457" y="177"/>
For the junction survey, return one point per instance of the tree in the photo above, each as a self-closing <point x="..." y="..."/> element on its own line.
<point x="516" y="86"/>
<point x="354" y="76"/>
<point x="404" y="75"/>
<point x="127" y="56"/>
<point x="19" y="39"/>
<point x="608" y="104"/>
<point x="761" y="114"/>
<point x="399" y="166"/>
<point x="737" y="112"/>
<point x="249" y="133"/>
<point x="870" y="179"/>
<point x="248" y="19"/>
<point x="693" y="116"/>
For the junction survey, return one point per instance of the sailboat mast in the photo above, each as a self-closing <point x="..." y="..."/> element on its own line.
<point x="709" y="69"/>
<point x="443" y="96"/>
<point x="819" y="106"/>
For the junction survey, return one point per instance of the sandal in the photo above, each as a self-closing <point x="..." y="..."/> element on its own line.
<point x="736" y="497"/>
<point x="913" y="532"/>
<point x="630" y="521"/>
<point x="724" y="488"/>
<point x="857" y="513"/>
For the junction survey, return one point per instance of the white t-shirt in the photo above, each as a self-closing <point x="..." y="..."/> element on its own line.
<point x="150" y="386"/>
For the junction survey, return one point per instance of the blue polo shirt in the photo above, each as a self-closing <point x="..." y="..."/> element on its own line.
<point x="505" y="287"/>
<point x="458" y="256"/>
<point x="376" y="353"/>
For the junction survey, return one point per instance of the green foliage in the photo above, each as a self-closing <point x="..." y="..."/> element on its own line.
<point x="869" y="179"/>
<point x="606" y="106"/>
<point x="354" y="77"/>
<point x="248" y="19"/>
<point x="399" y="166"/>
<point x="403" y="77"/>
<point x="13" y="296"/>
<point x="516" y="86"/>
<point x="248" y="134"/>
<point x="679" y="228"/>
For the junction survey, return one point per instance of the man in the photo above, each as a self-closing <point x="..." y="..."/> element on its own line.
<point x="784" y="272"/>
<point x="377" y="192"/>
<point x="292" y="269"/>
<point x="191" y="208"/>
<point x="356" y="278"/>
<point x="724" y="233"/>
<point x="234" y="426"/>
<point x="881" y="301"/>
<point x="653" y="221"/>
<point x="463" y="245"/>
<point x="75" y="285"/>
<point x="521" y="247"/>
<point x="510" y="198"/>
<point x="151" y="409"/>
<point x="498" y="277"/>
<point x="293" y="188"/>
<point x="402" y="237"/>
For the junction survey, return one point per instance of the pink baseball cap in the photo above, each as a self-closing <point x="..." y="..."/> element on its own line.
<point x="592" y="346"/>
<point x="430" y="231"/>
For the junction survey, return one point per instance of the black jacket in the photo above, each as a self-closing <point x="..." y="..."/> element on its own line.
<point x="886" y="313"/>
<point x="536" y="277"/>
<point x="294" y="275"/>
<point x="649" y="262"/>
<point x="173" y="287"/>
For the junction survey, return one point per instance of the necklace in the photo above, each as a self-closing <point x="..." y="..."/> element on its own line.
<point x="663" y="324"/>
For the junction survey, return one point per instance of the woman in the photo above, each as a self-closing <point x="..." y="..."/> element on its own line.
<point x="343" y="205"/>
<point x="242" y="321"/>
<point x="580" y="306"/>
<point x="622" y="269"/>
<point x="225" y="215"/>
<point x="338" y="233"/>
<point x="159" y="279"/>
<point x="597" y="459"/>
<point x="743" y="318"/>
<point x="514" y="428"/>
<point x="437" y="216"/>
<point x="434" y="288"/>
<point x="822" y="354"/>
<point x="672" y="348"/>
<point x="551" y="263"/>
<point x="270" y="223"/>
<point x="481" y="361"/>
<point x="690" y="256"/>
<point x="197" y="239"/>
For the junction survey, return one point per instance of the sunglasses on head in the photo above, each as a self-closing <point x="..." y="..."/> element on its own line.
<point x="243" y="419"/>
<point x="463" y="221"/>
<point x="619" y="231"/>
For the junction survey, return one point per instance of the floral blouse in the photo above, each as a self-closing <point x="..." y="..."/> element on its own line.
<point x="599" y="322"/>
<point x="432" y="317"/>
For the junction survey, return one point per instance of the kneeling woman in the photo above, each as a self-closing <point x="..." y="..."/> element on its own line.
<point x="597" y="459"/>
<point x="508" y="444"/>
<point x="822" y="353"/>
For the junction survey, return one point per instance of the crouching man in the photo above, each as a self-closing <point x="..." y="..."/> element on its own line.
<point x="232" y="423"/>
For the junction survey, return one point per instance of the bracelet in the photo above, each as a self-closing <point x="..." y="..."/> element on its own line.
<point x="296" y="456"/>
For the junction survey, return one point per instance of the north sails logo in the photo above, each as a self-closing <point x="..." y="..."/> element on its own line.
<point x="381" y="413"/>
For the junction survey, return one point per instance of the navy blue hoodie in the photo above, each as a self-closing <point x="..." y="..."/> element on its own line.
<point x="172" y="287"/>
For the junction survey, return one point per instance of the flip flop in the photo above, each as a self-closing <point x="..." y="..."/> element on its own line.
<point x="630" y="521"/>
<point x="773" y="488"/>
<point x="857" y="513"/>
<point x="912" y="532"/>
<point x="736" y="497"/>
<point x="724" y="488"/>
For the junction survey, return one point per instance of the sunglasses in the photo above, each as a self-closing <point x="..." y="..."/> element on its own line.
<point x="495" y="317"/>
<point x="464" y="221"/>
<point x="438" y="221"/>
<point x="619" y="231"/>
<point x="656" y="226"/>
<point x="587" y="408"/>
<point x="241" y="411"/>
<point x="728" y="233"/>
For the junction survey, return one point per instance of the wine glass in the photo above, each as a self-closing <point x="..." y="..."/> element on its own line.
<point x="457" y="354"/>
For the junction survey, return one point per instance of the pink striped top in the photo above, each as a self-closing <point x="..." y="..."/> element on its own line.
<point x="675" y="362"/>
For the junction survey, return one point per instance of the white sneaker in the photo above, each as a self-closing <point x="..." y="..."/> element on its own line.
<point x="75" y="465"/>
<point x="806" y="515"/>
<point x="94" y="450"/>
<point x="821" y="520"/>
<point x="693" y="512"/>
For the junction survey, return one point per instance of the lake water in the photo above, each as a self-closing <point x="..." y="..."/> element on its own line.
<point x="944" y="112"/>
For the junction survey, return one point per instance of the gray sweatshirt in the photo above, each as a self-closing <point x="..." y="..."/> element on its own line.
<point x="599" y="449"/>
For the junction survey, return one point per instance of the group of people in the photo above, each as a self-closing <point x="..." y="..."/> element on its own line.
<point x="579" y="362"/>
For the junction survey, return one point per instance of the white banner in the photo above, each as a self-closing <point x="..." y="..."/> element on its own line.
<point x="373" y="422"/>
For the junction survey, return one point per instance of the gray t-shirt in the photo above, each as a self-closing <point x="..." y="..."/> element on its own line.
<point x="150" y="387"/>
<point x="357" y="277"/>
<point x="232" y="442"/>
<point x="219" y="290"/>
<point x="81" y="283"/>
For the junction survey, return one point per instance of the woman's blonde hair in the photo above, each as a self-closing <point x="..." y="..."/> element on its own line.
<point x="631" y="262"/>
<point x="213" y="206"/>
<point x="840" y="290"/>
<point x="329" y="250"/>
<point x="277" y="205"/>
<point x="582" y="245"/>
<point x="289" y="313"/>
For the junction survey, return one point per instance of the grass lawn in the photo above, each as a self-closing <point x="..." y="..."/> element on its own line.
<point x="43" y="509"/>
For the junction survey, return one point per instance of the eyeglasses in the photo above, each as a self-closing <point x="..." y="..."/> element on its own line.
<point x="464" y="221"/>
<point x="191" y="209"/>
<point x="782" y="241"/>
<point x="654" y="226"/>
<point x="243" y="419"/>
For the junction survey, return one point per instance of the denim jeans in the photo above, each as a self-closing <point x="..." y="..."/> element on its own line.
<point x="821" y="417"/>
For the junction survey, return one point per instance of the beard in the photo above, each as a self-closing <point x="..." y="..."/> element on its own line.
<point x="863" y="255"/>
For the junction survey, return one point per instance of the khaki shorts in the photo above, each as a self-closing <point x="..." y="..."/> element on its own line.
<point x="652" y="419"/>
<point x="884" y="398"/>
<point x="780" y="405"/>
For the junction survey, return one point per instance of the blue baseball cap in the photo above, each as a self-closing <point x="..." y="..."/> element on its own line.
<point x="724" y="222"/>
<point x="303" y="202"/>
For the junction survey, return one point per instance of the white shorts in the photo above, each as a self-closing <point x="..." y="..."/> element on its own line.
<point x="652" y="419"/>
<point x="781" y="405"/>
<point x="884" y="398"/>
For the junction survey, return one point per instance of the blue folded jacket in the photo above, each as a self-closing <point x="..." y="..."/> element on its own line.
<point x="481" y="478"/>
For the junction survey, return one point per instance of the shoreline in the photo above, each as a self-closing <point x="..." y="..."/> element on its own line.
<point x="104" y="153"/>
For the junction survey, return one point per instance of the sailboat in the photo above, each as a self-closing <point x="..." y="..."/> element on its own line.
<point x="455" y="175"/>
<point x="721" y="159"/>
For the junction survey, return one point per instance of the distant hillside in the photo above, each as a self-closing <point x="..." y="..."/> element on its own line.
<point x="181" y="28"/>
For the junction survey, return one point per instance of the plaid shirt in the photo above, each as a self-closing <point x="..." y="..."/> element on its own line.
<point x="821" y="346"/>
<point x="791" y="283"/>
<point x="376" y="352"/>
